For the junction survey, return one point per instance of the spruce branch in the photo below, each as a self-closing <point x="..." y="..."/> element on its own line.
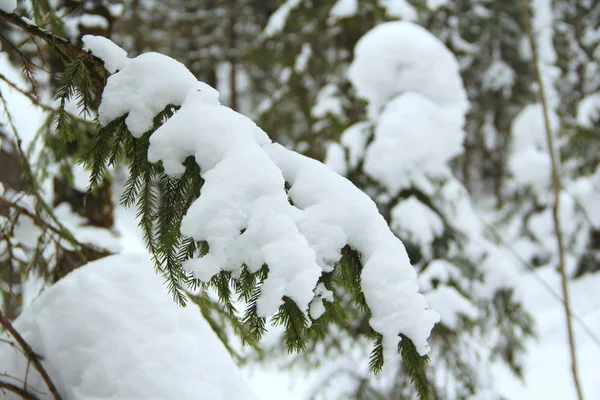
<point x="557" y="187"/>
<point x="296" y="325"/>
<point x="415" y="366"/>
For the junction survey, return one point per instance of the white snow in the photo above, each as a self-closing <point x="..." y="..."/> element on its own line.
<point x="279" y="18"/>
<point x="586" y="190"/>
<point x="398" y="57"/>
<point x="499" y="76"/>
<point x="450" y="304"/>
<point x="332" y="200"/>
<point x="114" y="57"/>
<point x="413" y="136"/>
<point x="415" y="93"/>
<point x="8" y="5"/>
<point x="85" y="233"/>
<point x="543" y="29"/>
<point x="75" y="22"/>
<point x="243" y="191"/>
<point x="303" y="58"/>
<point x="529" y="160"/>
<point x="401" y="9"/>
<point x="588" y="110"/>
<point x="110" y="330"/>
<point x="412" y="219"/>
<point x="317" y="308"/>
<point x="335" y="158"/>
<point x="26" y="117"/>
<point x="244" y="213"/>
<point x="342" y="9"/>
<point x="438" y="270"/>
<point x="547" y="372"/>
<point x="144" y="86"/>
<point x="328" y="102"/>
<point x="435" y="4"/>
<point x="355" y="139"/>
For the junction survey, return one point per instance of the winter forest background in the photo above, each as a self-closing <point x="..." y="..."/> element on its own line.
<point x="153" y="156"/>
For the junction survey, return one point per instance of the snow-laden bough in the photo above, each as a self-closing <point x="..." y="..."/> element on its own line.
<point x="244" y="211"/>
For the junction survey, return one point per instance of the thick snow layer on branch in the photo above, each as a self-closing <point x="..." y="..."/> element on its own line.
<point x="243" y="211"/>
<point x="114" y="57"/>
<point x="398" y="57"/>
<point x="334" y="201"/>
<point x="245" y="214"/>
<point x="8" y="5"/>
<point x="109" y="330"/>
<point x="144" y="86"/>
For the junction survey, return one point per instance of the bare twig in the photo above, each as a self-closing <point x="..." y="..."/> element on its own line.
<point x="15" y="389"/>
<point x="30" y="356"/>
<point x="556" y="186"/>
<point x="64" y="48"/>
<point x="22" y="382"/>
<point x="36" y="31"/>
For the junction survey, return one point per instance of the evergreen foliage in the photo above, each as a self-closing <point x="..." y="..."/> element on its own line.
<point x="161" y="203"/>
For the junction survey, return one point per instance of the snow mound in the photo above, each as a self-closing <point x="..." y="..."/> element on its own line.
<point x="109" y="330"/>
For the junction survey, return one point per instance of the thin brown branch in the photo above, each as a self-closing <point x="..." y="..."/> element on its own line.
<point x="35" y="30"/>
<point x="30" y="356"/>
<point x="62" y="46"/>
<point x="36" y="219"/>
<point x="17" y="390"/>
<point x="21" y="382"/>
<point x="556" y="186"/>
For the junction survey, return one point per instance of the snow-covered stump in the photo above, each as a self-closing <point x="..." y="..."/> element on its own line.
<point x="270" y="219"/>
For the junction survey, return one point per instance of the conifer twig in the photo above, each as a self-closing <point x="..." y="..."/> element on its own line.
<point x="5" y="386"/>
<point x="556" y="186"/>
<point x="63" y="47"/>
<point x="31" y="356"/>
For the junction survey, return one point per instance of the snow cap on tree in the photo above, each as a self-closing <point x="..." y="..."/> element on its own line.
<point x="415" y="93"/>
